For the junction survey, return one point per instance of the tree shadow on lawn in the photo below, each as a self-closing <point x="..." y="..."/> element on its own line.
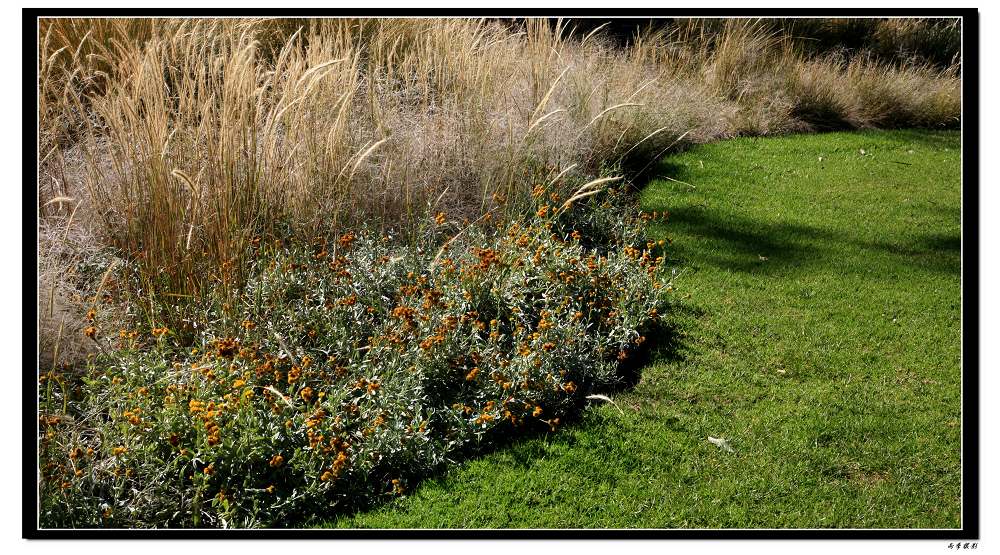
<point x="935" y="140"/>
<point x="936" y="252"/>
<point x="741" y="244"/>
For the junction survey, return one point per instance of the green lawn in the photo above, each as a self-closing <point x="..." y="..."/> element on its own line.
<point x="817" y="329"/>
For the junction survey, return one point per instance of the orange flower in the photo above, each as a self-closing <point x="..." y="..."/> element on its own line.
<point x="537" y="412"/>
<point x="276" y="461"/>
<point x="440" y="218"/>
<point x="90" y="331"/>
<point x="472" y="374"/>
<point x="484" y="418"/>
<point x="306" y="394"/>
<point x="346" y="239"/>
<point x="226" y="347"/>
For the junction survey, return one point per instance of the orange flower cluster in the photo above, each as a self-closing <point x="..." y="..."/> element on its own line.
<point x="207" y="414"/>
<point x="339" y="268"/>
<point x="432" y="299"/>
<point x="315" y="418"/>
<point x="226" y="347"/>
<point x="346" y="240"/>
<point x="133" y="416"/>
<point x="484" y="417"/>
<point x="407" y="315"/>
<point x="340" y="462"/>
<point x="307" y="394"/>
<point x="487" y="258"/>
<point x="397" y="487"/>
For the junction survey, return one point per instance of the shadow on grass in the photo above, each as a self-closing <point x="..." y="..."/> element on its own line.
<point x="741" y="244"/>
<point x="663" y="344"/>
<point x="924" y="138"/>
<point x="936" y="252"/>
<point x="737" y="243"/>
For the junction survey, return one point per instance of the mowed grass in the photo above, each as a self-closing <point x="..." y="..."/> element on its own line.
<point x="817" y="330"/>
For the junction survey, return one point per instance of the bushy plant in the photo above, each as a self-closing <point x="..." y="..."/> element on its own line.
<point x="350" y="368"/>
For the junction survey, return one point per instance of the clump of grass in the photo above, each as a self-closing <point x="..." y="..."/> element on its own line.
<point x="912" y="95"/>
<point x="351" y="370"/>
<point x="198" y="135"/>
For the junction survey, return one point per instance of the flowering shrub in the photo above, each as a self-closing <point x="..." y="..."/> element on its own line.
<point x="350" y="369"/>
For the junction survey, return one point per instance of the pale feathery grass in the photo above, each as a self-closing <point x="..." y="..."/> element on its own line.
<point x="187" y="139"/>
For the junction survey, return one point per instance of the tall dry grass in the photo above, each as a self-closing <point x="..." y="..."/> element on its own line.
<point x="184" y="141"/>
